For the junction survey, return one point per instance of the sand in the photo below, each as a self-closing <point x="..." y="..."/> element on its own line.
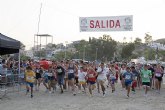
<point x="66" y="101"/>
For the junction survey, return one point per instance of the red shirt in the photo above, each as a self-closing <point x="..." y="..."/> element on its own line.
<point x="91" y="75"/>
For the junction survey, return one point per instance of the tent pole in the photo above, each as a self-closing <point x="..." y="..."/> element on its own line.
<point x="19" y="62"/>
<point x="19" y="70"/>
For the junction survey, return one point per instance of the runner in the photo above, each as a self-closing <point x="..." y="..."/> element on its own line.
<point x="128" y="77"/>
<point x="152" y="79"/>
<point x="138" y="69"/>
<point x="45" y="80"/>
<point x="146" y="75"/>
<point x="158" y="77"/>
<point x="60" y="71"/>
<point x="102" y="77"/>
<point x="122" y="71"/>
<point x="91" y="79"/>
<point x="135" y="75"/>
<point x="38" y="72"/>
<point x="117" y="71"/>
<point x="66" y="83"/>
<point x="81" y="79"/>
<point x="112" y="77"/>
<point x="51" y="80"/>
<point x="72" y="69"/>
<point x="30" y="79"/>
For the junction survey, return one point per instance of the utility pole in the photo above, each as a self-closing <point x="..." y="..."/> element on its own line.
<point x="38" y="29"/>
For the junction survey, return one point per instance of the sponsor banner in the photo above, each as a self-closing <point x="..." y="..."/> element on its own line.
<point x="112" y="23"/>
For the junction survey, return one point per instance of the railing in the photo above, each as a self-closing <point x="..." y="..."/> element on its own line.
<point x="10" y="81"/>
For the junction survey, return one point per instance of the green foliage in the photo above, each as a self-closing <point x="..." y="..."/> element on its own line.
<point x="138" y="41"/>
<point x="149" y="54"/>
<point x="148" y="38"/>
<point x="41" y="54"/>
<point x="127" y="50"/>
<point x="97" y="49"/>
<point x="162" y="41"/>
<point x="61" y="55"/>
<point x="24" y="57"/>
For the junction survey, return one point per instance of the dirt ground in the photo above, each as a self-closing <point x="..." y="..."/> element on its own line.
<point x="66" y="101"/>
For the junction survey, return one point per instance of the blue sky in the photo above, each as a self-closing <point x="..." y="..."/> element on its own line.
<point x="60" y="18"/>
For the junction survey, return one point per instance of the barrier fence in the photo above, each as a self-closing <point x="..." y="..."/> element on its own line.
<point x="10" y="81"/>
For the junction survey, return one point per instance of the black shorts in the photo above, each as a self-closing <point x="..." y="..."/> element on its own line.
<point x="71" y="76"/>
<point x="121" y="77"/>
<point x="91" y="82"/>
<point x="146" y="83"/>
<point x="159" y="78"/>
<point x="76" y="80"/>
<point x="38" y="75"/>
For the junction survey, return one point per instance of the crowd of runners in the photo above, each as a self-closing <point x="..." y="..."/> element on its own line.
<point x="84" y="77"/>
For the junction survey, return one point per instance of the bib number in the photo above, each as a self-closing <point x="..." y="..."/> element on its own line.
<point x="112" y="76"/>
<point x="127" y="77"/>
<point x="70" y="71"/>
<point x="30" y="78"/>
<point x="50" y="74"/>
<point x="91" y="76"/>
<point x="59" y="71"/>
<point x="37" y="71"/>
<point x="145" y="75"/>
<point x="158" y="75"/>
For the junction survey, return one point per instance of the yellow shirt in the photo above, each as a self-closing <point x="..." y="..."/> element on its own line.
<point x="30" y="76"/>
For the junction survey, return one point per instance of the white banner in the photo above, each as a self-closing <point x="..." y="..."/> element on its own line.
<point x="112" y="23"/>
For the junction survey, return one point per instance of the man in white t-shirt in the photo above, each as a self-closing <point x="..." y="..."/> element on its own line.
<point x="102" y="72"/>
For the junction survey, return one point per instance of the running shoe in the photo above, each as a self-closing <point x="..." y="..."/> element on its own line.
<point x="31" y="96"/>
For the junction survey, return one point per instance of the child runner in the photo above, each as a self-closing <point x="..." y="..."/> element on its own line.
<point x="91" y="79"/>
<point x="81" y="79"/>
<point x="128" y="77"/>
<point x="30" y="79"/>
<point x="146" y="75"/>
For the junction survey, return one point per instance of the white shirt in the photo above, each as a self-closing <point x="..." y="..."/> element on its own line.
<point x="50" y="74"/>
<point x="81" y="75"/>
<point x="102" y="73"/>
<point x="122" y="71"/>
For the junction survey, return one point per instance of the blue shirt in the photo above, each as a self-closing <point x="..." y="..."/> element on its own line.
<point x="128" y="76"/>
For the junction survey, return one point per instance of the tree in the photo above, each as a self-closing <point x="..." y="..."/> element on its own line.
<point x="41" y="53"/>
<point x="138" y="41"/>
<point x="61" y="56"/>
<point x="127" y="50"/>
<point x="24" y="57"/>
<point x="103" y="48"/>
<point x="148" y="38"/>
